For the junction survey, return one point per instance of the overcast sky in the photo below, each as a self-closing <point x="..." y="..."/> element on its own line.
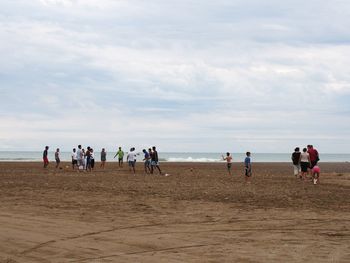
<point x="185" y="75"/>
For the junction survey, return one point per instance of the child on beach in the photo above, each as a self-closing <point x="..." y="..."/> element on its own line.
<point x="57" y="157"/>
<point x="228" y="159"/>
<point x="247" y="167"/>
<point x="45" y="159"/>
<point x="316" y="174"/>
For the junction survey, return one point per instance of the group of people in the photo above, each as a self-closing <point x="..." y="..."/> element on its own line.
<point x="305" y="163"/>
<point x="150" y="160"/>
<point x="247" y="165"/>
<point x="85" y="159"/>
<point x="81" y="159"/>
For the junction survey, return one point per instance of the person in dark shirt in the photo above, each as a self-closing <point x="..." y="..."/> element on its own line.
<point x="248" y="167"/>
<point x="57" y="157"/>
<point x="103" y="158"/>
<point x="45" y="159"/>
<point x="88" y="158"/>
<point x="154" y="160"/>
<point x="296" y="161"/>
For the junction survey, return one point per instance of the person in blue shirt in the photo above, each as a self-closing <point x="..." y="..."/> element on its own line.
<point x="247" y="167"/>
<point x="147" y="159"/>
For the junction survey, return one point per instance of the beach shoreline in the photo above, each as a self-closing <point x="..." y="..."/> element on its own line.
<point x="198" y="213"/>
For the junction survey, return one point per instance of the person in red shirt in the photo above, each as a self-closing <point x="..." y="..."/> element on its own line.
<point x="45" y="158"/>
<point x="314" y="158"/>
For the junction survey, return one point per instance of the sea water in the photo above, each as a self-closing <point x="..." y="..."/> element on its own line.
<point x="34" y="156"/>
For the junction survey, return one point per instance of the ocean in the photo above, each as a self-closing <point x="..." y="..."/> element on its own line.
<point x="35" y="156"/>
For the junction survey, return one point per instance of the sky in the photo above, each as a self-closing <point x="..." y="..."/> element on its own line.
<point x="184" y="75"/>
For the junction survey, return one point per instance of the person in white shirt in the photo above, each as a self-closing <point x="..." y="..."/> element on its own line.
<point x="304" y="163"/>
<point x="80" y="156"/>
<point x="92" y="159"/>
<point x="131" y="159"/>
<point x="74" y="159"/>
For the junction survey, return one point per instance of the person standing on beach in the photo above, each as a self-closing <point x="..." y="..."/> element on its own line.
<point x="154" y="160"/>
<point x="296" y="161"/>
<point x="45" y="158"/>
<point x="131" y="159"/>
<point x="314" y="158"/>
<point x="304" y="163"/>
<point x="103" y="158"/>
<point x="120" y="155"/>
<point x="248" y="167"/>
<point x="57" y="157"/>
<point x="83" y="159"/>
<point x="88" y="159"/>
<point x="228" y="160"/>
<point x="74" y="159"/>
<point x="80" y="157"/>
<point x="92" y="159"/>
<point x="147" y="160"/>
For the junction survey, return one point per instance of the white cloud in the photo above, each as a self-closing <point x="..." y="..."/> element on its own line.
<point x="187" y="71"/>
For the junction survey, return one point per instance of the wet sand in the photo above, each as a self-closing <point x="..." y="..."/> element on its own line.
<point x="196" y="214"/>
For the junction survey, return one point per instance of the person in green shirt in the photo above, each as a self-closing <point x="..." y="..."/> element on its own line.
<point x="120" y="155"/>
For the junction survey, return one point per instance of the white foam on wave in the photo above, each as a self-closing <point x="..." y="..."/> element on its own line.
<point x="193" y="160"/>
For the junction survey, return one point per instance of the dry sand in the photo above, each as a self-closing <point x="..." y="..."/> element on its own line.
<point x="197" y="214"/>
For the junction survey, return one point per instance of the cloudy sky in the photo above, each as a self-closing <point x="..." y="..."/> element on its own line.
<point x="185" y="75"/>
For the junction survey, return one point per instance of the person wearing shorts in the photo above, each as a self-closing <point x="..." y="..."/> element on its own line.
<point x="304" y="163"/>
<point x="92" y="159"/>
<point x="45" y="158"/>
<point x="74" y="159"/>
<point x="296" y="161"/>
<point x="154" y="160"/>
<point x="147" y="160"/>
<point x="228" y="160"/>
<point x="131" y="159"/>
<point x="247" y="167"/>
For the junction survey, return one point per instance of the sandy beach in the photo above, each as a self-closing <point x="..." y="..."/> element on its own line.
<point x="196" y="214"/>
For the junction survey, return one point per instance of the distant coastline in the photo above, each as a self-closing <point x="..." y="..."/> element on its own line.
<point x="36" y="156"/>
